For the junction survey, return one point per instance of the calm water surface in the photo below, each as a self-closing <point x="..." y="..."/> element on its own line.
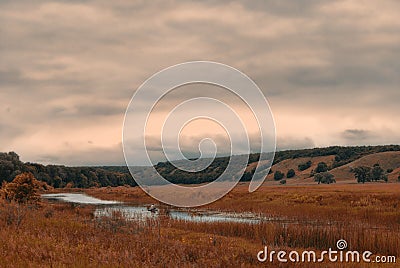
<point x="141" y="212"/>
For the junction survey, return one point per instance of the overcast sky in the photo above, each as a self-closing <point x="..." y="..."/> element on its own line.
<point x="330" y="69"/>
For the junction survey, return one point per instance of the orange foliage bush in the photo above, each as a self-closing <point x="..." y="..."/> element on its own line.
<point x="23" y="189"/>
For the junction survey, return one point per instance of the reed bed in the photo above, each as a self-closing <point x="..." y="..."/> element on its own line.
<point x="65" y="235"/>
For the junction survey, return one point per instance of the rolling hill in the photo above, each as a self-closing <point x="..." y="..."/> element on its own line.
<point x="387" y="160"/>
<point x="340" y="161"/>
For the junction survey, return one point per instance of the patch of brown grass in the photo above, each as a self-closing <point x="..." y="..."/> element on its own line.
<point x="366" y="216"/>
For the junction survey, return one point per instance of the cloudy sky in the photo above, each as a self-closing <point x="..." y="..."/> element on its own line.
<point x="330" y="69"/>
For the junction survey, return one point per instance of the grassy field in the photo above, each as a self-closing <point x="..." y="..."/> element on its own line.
<point x="310" y="217"/>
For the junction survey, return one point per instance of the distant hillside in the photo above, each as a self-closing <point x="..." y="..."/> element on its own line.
<point x="287" y="164"/>
<point x="387" y="160"/>
<point x="334" y="157"/>
<point x="343" y="155"/>
<point x="339" y="160"/>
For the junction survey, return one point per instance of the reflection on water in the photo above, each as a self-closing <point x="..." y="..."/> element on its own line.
<point x="107" y="208"/>
<point x="78" y="198"/>
<point x="213" y="217"/>
<point x="127" y="212"/>
<point x="142" y="213"/>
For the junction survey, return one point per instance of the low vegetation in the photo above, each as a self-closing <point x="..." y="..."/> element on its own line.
<point x="278" y="175"/>
<point x="324" y="177"/>
<point x="312" y="217"/>
<point x="23" y="189"/>
<point x="291" y="173"/>
<point x="305" y="166"/>
<point x="321" y="167"/>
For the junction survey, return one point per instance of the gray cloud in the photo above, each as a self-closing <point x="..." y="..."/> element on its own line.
<point x="88" y="109"/>
<point x="372" y="137"/>
<point x="286" y="143"/>
<point x="70" y="67"/>
<point x="356" y="135"/>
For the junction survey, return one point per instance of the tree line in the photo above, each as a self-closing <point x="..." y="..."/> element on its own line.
<point x="60" y="176"/>
<point x="365" y="174"/>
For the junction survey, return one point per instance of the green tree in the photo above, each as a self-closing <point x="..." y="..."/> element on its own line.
<point x="290" y="174"/>
<point x="278" y="175"/>
<point x="324" y="177"/>
<point x="377" y="173"/>
<point x="57" y="182"/>
<point x="304" y="166"/>
<point x="362" y="174"/>
<point x="321" y="167"/>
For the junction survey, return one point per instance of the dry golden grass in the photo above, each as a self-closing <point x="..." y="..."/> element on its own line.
<point x="59" y="235"/>
<point x="63" y="235"/>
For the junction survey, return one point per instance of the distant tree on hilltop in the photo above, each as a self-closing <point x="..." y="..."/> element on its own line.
<point x="290" y="174"/>
<point x="278" y="175"/>
<point x="304" y="166"/>
<point x="321" y="167"/>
